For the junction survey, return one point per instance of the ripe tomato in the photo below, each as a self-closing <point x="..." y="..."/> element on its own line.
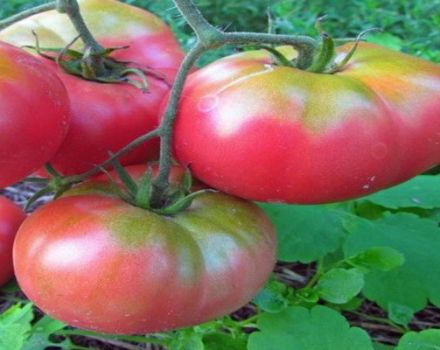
<point x="106" y="117"/>
<point x="11" y="216"/>
<point x="96" y="262"/>
<point x="34" y="114"/>
<point x="282" y="134"/>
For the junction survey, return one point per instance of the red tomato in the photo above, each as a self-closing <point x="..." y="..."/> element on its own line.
<point x="34" y="114"/>
<point x="11" y="216"/>
<point x="106" y="117"/>
<point x="271" y="133"/>
<point x="96" y="262"/>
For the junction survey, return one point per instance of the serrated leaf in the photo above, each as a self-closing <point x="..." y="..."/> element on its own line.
<point x="297" y="328"/>
<point x="380" y="258"/>
<point x="422" y="191"/>
<point x="187" y="341"/>
<point x="306" y="233"/>
<point x="418" y="279"/>
<point x="338" y="286"/>
<point x="400" y="314"/>
<point x="425" y="340"/>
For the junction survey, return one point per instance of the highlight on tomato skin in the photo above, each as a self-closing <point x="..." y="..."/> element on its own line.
<point x="11" y="217"/>
<point x="106" y="117"/>
<point x="285" y="135"/>
<point x="34" y="114"/>
<point x="126" y="270"/>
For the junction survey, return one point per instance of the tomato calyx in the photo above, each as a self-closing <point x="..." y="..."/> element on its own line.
<point x="176" y="198"/>
<point x="98" y="66"/>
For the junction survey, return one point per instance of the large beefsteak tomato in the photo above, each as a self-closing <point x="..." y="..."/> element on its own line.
<point x="273" y="133"/>
<point x="11" y="216"/>
<point x="96" y="262"/>
<point x="34" y="114"/>
<point x="106" y="117"/>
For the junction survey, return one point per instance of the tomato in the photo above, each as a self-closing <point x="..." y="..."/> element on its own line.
<point x="34" y="114"/>
<point x="11" y="216"/>
<point x="265" y="132"/>
<point x="106" y="117"/>
<point x="96" y="262"/>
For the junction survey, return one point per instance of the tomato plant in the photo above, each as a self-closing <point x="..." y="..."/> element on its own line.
<point x="281" y="134"/>
<point x="96" y="262"/>
<point x="105" y="117"/>
<point x="34" y="110"/>
<point x="11" y="216"/>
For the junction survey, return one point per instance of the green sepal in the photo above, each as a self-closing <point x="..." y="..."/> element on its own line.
<point x="36" y="196"/>
<point x="123" y="175"/>
<point x="336" y="67"/>
<point x="278" y="58"/>
<point x="325" y="56"/>
<point x="143" y="195"/>
<point x="181" y="204"/>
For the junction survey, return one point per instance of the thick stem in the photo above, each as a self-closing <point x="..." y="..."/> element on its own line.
<point x="166" y="127"/>
<point x="305" y="45"/>
<point x="27" y="13"/>
<point x="205" y="32"/>
<point x="71" y="8"/>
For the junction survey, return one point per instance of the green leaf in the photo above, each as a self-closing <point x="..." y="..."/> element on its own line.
<point x="187" y="340"/>
<point x="297" y="328"/>
<point x="378" y="346"/>
<point x="15" y="326"/>
<point x="422" y="191"/>
<point x="220" y="341"/>
<point x="41" y="333"/>
<point x="379" y="258"/>
<point x="338" y="286"/>
<point x="418" y="279"/>
<point x="425" y="340"/>
<point x="400" y="314"/>
<point x="306" y="233"/>
<point x="271" y="298"/>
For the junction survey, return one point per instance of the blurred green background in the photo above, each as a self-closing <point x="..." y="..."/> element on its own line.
<point x="412" y="26"/>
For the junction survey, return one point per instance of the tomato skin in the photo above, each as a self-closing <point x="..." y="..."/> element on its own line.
<point x="34" y="114"/>
<point x="96" y="262"/>
<point x="11" y="216"/>
<point x="106" y="117"/>
<point x="284" y="135"/>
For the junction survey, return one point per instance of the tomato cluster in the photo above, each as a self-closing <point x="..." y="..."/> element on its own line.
<point x="97" y="259"/>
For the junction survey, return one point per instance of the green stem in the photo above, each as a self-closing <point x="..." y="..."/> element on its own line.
<point x="379" y="320"/>
<point x="71" y="9"/>
<point x="122" y="152"/>
<point x="305" y="45"/>
<point x="206" y="33"/>
<point x="27" y="13"/>
<point x="166" y="127"/>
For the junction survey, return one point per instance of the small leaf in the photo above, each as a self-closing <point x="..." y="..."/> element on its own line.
<point x="379" y="258"/>
<point x="338" y="286"/>
<point x="187" y="340"/>
<point x="297" y="328"/>
<point x="15" y="326"/>
<point x="271" y="298"/>
<point x="400" y="314"/>
<point x="425" y="340"/>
